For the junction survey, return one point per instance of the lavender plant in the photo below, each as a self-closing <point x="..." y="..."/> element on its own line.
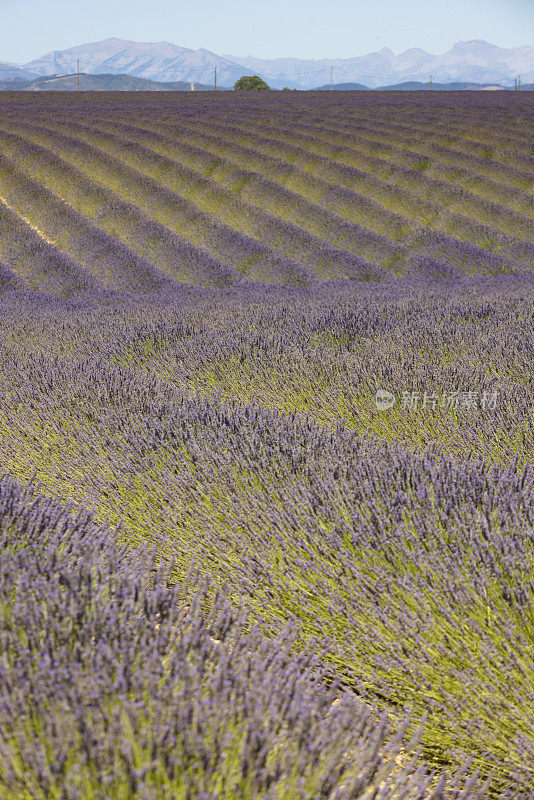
<point x="277" y="588"/>
<point x="115" y="683"/>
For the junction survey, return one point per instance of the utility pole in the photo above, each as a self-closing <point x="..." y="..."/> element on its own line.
<point x="215" y="79"/>
<point x="515" y="84"/>
<point x="431" y="83"/>
<point x="331" y="78"/>
<point x="519" y="83"/>
<point x="78" y="74"/>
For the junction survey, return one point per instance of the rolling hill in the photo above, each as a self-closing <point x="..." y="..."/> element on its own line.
<point x="98" y="83"/>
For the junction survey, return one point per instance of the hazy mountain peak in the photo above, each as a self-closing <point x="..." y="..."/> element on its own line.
<point x="474" y="61"/>
<point x="415" y="51"/>
<point x="474" y="46"/>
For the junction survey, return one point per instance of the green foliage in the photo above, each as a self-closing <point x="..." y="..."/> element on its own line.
<point x="250" y="82"/>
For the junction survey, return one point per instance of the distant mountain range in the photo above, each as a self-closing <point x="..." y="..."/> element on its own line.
<point x="12" y="72"/>
<point x="419" y="86"/>
<point x="473" y="62"/>
<point x="162" y="62"/>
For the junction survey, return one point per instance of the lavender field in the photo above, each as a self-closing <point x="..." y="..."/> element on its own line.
<point x="227" y="570"/>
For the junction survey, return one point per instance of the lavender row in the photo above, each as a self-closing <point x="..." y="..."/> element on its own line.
<point x="177" y="258"/>
<point x="349" y="204"/>
<point x="413" y="570"/>
<point x="316" y="214"/>
<point x="110" y="262"/>
<point x="284" y="239"/>
<point x="424" y="124"/>
<point x="148" y="192"/>
<point x="118" y="683"/>
<point x="413" y="138"/>
<point x="361" y="141"/>
<point x="32" y="262"/>
<point x="324" y="149"/>
<point x="370" y="245"/>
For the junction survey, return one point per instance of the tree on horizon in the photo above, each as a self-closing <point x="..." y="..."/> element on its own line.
<point x="247" y="82"/>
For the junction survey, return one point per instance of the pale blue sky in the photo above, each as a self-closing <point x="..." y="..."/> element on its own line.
<point x="270" y="29"/>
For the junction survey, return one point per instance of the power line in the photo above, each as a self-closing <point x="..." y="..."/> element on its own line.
<point x="349" y="71"/>
<point x="322" y="70"/>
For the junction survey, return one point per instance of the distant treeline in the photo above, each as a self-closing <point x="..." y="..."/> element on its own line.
<point x="128" y="83"/>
